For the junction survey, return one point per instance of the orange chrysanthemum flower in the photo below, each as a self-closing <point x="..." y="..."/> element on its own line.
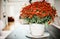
<point x="40" y="9"/>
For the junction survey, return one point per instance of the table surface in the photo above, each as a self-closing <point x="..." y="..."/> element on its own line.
<point x="4" y="34"/>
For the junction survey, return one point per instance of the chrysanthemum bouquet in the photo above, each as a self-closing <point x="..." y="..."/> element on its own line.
<point x="38" y="12"/>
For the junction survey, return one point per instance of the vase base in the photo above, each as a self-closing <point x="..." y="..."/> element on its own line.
<point x="46" y="34"/>
<point x="37" y="35"/>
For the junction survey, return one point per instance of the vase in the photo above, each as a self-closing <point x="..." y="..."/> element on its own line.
<point x="37" y="29"/>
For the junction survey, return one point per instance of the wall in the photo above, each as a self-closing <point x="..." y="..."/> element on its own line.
<point x="3" y="14"/>
<point x="57" y="5"/>
<point x="0" y="9"/>
<point x="15" y="7"/>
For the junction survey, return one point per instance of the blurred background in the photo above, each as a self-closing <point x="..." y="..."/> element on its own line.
<point x="10" y="12"/>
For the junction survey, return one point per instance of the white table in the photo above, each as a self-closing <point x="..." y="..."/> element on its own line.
<point x="4" y="34"/>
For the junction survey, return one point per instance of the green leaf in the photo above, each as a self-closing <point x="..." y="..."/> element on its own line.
<point x="36" y="19"/>
<point x="33" y="20"/>
<point x="27" y="19"/>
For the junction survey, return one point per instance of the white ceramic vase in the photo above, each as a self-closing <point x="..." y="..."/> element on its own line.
<point x="37" y="29"/>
